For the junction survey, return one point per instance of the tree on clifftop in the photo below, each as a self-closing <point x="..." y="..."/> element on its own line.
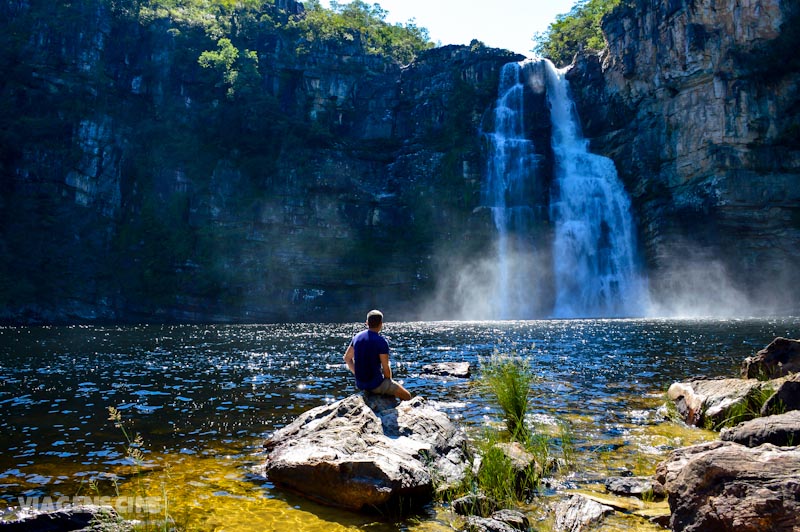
<point x="366" y="23"/>
<point x="574" y="31"/>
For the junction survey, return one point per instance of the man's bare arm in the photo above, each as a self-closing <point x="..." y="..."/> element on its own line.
<point x="387" y="370"/>
<point x="349" y="359"/>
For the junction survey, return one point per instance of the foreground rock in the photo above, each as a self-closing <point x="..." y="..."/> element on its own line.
<point x="84" y="518"/>
<point x="720" y="486"/>
<point x="780" y="358"/>
<point x="781" y="430"/>
<point x="367" y="451"/>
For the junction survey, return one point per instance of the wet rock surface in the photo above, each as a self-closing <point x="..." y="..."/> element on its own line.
<point x="635" y="486"/>
<point x="460" y="370"/>
<point x="84" y="518"/>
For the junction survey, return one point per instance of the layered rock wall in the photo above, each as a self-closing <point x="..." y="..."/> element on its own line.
<point x="697" y="102"/>
<point x="138" y="185"/>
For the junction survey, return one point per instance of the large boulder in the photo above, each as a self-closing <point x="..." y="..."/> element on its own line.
<point x="782" y="430"/>
<point x="720" y="486"/>
<point x="367" y="451"/>
<point x="778" y="359"/>
<point x="709" y="403"/>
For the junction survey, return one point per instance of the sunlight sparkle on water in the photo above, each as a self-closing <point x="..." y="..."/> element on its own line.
<point x="204" y="399"/>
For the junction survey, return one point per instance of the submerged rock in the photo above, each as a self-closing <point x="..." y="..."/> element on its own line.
<point x="368" y="451"/>
<point x="479" y="505"/>
<point x="781" y="430"/>
<point x="780" y="358"/>
<point x="578" y="513"/>
<point x="727" y="486"/>
<point x="500" y="521"/>
<point x="460" y="370"/>
<point x="82" y="518"/>
<point x="635" y="486"/>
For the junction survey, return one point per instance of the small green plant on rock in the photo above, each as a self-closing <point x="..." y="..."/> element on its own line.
<point x="746" y="409"/>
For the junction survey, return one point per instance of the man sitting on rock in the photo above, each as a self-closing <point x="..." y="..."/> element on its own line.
<point x="367" y="357"/>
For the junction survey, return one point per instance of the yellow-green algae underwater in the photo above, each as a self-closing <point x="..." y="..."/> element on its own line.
<point x="218" y="491"/>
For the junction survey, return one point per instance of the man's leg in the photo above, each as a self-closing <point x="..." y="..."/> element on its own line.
<point x="390" y="387"/>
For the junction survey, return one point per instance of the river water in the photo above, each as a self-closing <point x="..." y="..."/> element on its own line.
<point x="203" y="399"/>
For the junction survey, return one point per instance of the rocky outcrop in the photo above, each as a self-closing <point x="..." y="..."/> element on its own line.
<point x="697" y="104"/>
<point x="727" y="486"/>
<point x="367" y="451"/>
<point x="714" y="403"/>
<point x="780" y="430"/>
<point x="780" y="358"/>
<point x="709" y="403"/>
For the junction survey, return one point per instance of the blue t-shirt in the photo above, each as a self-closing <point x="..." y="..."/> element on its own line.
<point x="368" y="345"/>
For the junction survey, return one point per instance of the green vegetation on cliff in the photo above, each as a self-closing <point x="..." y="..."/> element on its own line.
<point x="359" y="21"/>
<point x="574" y="31"/>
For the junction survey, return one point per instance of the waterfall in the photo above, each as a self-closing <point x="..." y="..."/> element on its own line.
<point x="510" y="186"/>
<point x="565" y="247"/>
<point x="594" y="248"/>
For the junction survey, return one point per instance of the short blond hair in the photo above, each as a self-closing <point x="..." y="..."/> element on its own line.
<point x="374" y="318"/>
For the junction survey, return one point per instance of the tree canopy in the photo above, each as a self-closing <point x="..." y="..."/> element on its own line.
<point x="574" y="31"/>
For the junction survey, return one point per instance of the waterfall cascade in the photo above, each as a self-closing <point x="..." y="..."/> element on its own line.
<point x="592" y="266"/>
<point x="511" y="186"/>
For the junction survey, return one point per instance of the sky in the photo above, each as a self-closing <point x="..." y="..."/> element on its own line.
<point x="508" y="24"/>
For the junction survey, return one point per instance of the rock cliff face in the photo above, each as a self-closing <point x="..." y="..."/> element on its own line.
<point x="138" y="185"/>
<point x="318" y="180"/>
<point x="697" y="102"/>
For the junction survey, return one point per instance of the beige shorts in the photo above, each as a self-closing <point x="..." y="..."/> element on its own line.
<point x="387" y="387"/>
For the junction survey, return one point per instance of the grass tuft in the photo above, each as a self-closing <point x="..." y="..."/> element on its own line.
<point x="508" y="380"/>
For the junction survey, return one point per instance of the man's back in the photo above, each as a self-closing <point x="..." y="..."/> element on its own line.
<point x="368" y="346"/>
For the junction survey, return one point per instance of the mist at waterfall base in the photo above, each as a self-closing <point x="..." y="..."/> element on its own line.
<point x="565" y="243"/>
